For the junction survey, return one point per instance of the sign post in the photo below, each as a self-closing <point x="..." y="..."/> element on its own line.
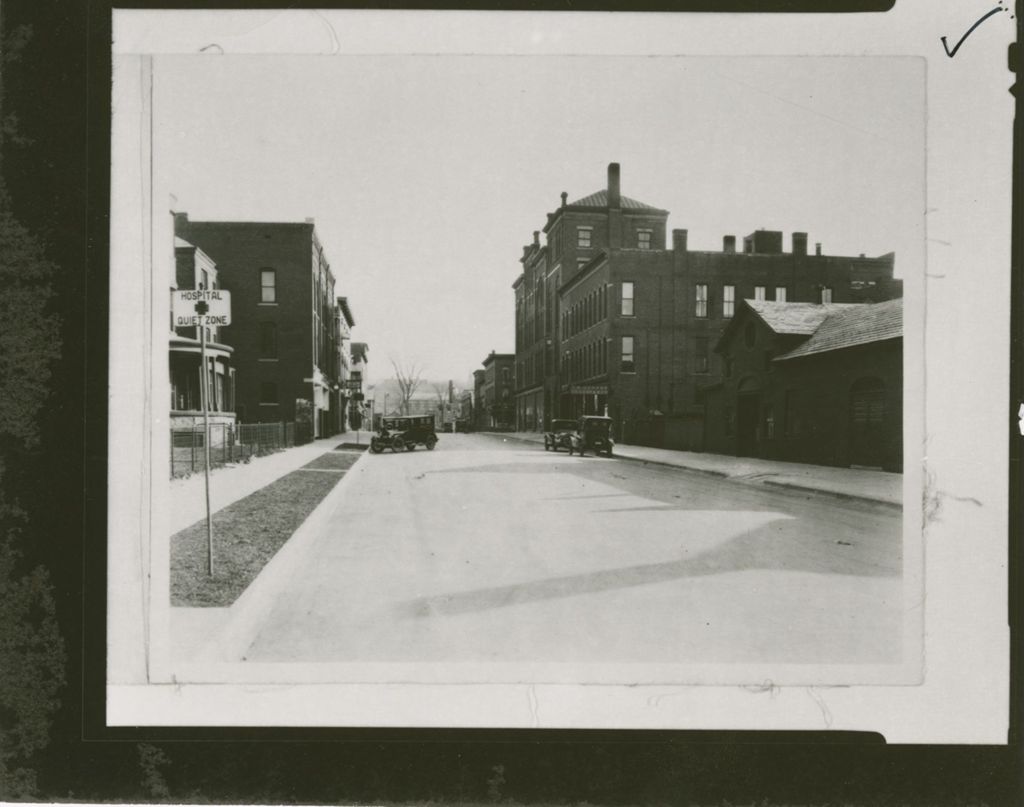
<point x="202" y="309"/>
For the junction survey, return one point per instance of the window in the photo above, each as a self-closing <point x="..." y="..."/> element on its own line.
<point x="268" y="286"/>
<point x="643" y="239"/>
<point x="728" y="301"/>
<point x="268" y="340"/>
<point x="769" y="422"/>
<point x="583" y="237"/>
<point x="826" y="294"/>
<point x="728" y="421"/>
<point x="204" y="282"/>
<point x="701" y="300"/>
<point x="700" y="355"/>
<point x="627" y="299"/>
<point x="780" y="294"/>
<point x="268" y="393"/>
<point x="759" y="292"/>
<point x="628" y="359"/>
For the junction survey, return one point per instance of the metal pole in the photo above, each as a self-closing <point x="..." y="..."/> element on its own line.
<point x="204" y="392"/>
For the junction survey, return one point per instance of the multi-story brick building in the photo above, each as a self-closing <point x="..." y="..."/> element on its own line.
<point x="575" y="233"/>
<point x="349" y="392"/>
<point x="637" y="322"/>
<point x="479" y="414"/>
<point x="284" y="319"/>
<point x="497" y="391"/>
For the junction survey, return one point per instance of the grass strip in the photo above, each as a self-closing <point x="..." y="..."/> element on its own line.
<point x="246" y="535"/>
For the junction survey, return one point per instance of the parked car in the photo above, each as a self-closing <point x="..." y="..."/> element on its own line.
<point x="404" y="433"/>
<point x="558" y="434"/>
<point x="593" y="432"/>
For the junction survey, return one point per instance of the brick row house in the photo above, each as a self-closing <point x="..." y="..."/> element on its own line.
<point x="493" y="388"/>
<point x="289" y="334"/>
<point x="612" y="319"/>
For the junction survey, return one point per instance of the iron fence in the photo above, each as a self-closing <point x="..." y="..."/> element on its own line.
<point x="229" y="442"/>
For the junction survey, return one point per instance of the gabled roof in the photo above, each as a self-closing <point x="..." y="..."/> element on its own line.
<point x="852" y="326"/>
<point x="600" y="199"/>
<point x="795" y="318"/>
<point x="181" y="243"/>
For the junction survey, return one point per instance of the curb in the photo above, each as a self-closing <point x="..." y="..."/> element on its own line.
<point x="723" y="475"/>
<point x="856" y="497"/>
<point x="248" y="612"/>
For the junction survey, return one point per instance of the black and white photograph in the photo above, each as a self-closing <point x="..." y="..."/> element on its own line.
<point x="515" y="370"/>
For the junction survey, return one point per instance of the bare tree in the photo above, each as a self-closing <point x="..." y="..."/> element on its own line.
<point x="408" y="378"/>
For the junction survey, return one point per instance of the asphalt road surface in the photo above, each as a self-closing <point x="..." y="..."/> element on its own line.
<point x="492" y="551"/>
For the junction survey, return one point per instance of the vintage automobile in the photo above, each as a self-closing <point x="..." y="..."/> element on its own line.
<point x="558" y="434"/>
<point x="404" y="433"/>
<point x="594" y="432"/>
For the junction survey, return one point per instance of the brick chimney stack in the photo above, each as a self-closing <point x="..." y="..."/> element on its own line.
<point x="614" y="194"/>
<point x="799" y="243"/>
<point x="729" y="243"/>
<point x="564" y="197"/>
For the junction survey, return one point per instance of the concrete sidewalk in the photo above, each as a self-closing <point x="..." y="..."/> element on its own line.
<point x="851" y="483"/>
<point x="229" y="483"/>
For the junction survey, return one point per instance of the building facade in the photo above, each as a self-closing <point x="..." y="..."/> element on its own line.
<point x="284" y="319"/>
<point x="479" y="413"/>
<point x="811" y="383"/>
<point x="497" y="391"/>
<point x="636" y="320"/>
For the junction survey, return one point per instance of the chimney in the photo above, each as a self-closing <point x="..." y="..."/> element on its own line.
<point x="564" y="197"/>
<point x="817" y="248"/>
<point x="679" y="240"/>
<point x="729" y="243"/>
<point x="614" y="196"/>
<point x="536" y="238"/>
<point x="799" y="243"/>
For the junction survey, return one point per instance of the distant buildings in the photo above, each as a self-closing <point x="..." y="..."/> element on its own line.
<point x="289" y="328"/>
<point x="609" y="318"/>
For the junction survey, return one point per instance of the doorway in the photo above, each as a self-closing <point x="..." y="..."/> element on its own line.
<point x="747" y="407"/>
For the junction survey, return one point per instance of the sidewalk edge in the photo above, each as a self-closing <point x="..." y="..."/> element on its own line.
<point x="723" y="475"/>
<point x="248" y="612"/>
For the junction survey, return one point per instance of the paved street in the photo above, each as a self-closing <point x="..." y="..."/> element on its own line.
<point x="485" y="550"/>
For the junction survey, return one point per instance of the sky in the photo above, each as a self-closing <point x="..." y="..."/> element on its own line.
<point x="426" y="175"/>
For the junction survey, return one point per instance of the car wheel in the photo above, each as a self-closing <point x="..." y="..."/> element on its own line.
<point x="397" y="444"/>
<point x="431" y="443"/>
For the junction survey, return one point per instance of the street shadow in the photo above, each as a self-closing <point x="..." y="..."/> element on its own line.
<point x="776" y="546"/>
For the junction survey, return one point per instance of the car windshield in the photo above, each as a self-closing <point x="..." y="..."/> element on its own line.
<point x="561" y="425"/>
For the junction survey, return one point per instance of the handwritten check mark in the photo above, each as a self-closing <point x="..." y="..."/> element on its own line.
<point x="956" y="47"/>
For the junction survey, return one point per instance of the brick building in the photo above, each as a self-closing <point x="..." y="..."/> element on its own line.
<point x="575" y="234"/>
<point x="496" y="392"/>
<point x="632" y="323"/>
<point x="811" y="383"/>
<point x="284" y="319"/>
<point x="479" y="413"/>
